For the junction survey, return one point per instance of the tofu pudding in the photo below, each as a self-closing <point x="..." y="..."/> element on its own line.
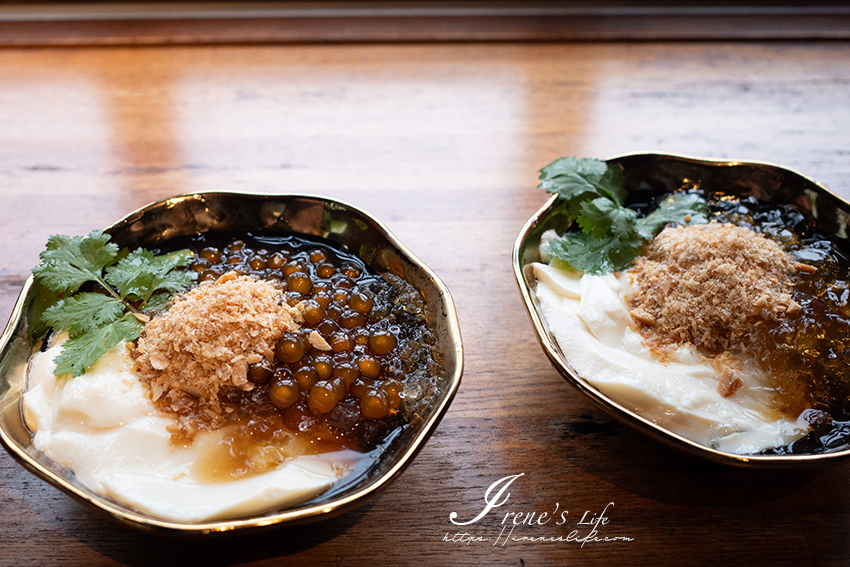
<point x="287" y="368"/>
<point x="589" y="317"/>
<point x="730" y="334"/>
<point x="104" y="427"/>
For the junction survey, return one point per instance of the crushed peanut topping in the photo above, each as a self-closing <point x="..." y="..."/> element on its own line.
<point x="729" y="369"/>
<point x="206" y="341"/>
<point x="710" y="285"/>
<point x="318" y="342"/>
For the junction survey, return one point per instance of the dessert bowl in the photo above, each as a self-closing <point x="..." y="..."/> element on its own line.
<point x="337" y="223"/>
<point x="647" y="177"/>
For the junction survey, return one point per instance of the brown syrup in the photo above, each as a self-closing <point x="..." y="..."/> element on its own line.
<point x="807" y="353"/>
<point x="374" y="323"/>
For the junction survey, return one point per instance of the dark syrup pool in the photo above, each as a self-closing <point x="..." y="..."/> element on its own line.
<point x="812" y="348"/>
<point x="378" y="373"/>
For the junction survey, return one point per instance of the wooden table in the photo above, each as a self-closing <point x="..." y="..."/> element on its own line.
<point x="442" y="142"/>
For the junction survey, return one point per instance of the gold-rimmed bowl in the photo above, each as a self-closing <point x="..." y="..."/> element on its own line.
<point x="649" y="176"/>
<point x="341" y="224"/>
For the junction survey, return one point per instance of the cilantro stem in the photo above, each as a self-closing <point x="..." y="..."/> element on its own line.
<point x="112" y="292"/>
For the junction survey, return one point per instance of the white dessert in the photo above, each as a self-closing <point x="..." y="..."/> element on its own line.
<point x="590" y="320"/>
<point x="104" y="428"/>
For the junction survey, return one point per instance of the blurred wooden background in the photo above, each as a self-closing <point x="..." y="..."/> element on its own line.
<point x="111" y="22"/>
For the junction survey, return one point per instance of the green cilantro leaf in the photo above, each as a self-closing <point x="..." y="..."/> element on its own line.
<point x="576" y="180"/>
<point x="68" y="263"/>
<point x="613" y="182"/>
<point x="82" y="312"/>
<point x="678" y="208"/>
<point x="157" y="302"/>
<point x="81" y="352"/>
<point x="596" y="255"/>
<point x="138" y="275"/>
<point x="131" y="276"/>
<point x="176" y="281"/>
<point x="601" y="215"/>
<point x="611" y="235"/>
<point x="137" y="283"/>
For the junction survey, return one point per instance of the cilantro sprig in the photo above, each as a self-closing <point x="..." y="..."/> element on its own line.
<point x="611" y="234"/>
<point x="127" y="288"/>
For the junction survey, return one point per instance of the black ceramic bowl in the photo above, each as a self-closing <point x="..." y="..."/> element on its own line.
<point x="652" y="175"/>
<point x="341" y="224"/>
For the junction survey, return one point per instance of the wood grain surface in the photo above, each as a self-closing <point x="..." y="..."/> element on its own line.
<point x="441" y="142"/>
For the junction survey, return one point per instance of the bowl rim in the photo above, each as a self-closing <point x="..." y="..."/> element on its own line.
<point x="605" y="403"/>
<point x="312" y="513"/>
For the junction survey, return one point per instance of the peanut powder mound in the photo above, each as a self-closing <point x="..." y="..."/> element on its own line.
<point x="710" y="285"/>
<point x="206" y="341"/>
